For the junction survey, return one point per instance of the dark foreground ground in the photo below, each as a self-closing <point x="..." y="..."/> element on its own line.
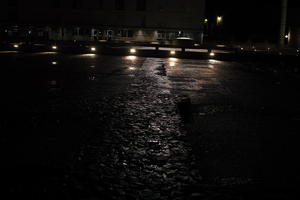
<point x="100" y="127"/>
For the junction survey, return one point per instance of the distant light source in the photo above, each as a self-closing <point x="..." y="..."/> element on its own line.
<point x="219" y="19"/>
<point x="242" y="48"/>
<point x="287" y="36"/>
<point x="132" y="50"/>
<point x="16" y="46"/>
<point x="54" y="47"/>
<point x="93" y="49"/>
<point x="205" y="20"/>
<point x="212" y="54"/>
<point x="54" y="63"/>
<point x="172" y="52"/>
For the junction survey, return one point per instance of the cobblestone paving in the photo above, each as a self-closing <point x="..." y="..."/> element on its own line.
<point x="143" y="154"/>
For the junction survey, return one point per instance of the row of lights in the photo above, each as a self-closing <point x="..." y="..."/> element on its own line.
<point x="132" y="50"/>
<point x="54" y="47"/>
<point x="172" y="52"/>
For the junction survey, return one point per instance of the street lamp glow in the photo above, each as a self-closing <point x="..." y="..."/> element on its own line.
<point x="219" y="19"/>
<point x="287" y="36"/>
<point x="93" y="49"/>
<point x="172" y="52"/>
<point x="54" y="47"/>
<point x="16" y="46"/>
<point x="132" y="50"/>
<point x="212" y="54"/>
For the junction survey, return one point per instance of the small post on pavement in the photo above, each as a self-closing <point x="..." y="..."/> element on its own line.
<point x="283" y="22"/>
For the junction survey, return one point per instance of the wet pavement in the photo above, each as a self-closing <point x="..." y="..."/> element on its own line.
<point x="100" y="127"/>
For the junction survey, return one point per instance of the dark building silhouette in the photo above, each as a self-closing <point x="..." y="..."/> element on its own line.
<point x="133" y="20"/>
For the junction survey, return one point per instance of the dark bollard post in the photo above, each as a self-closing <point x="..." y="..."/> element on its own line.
<point x="185" y="109"/>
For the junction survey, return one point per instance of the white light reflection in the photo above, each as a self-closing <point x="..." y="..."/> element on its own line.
<point x="173" y="59"/>
<point x="211" y="66"/>
<point x="212" y="61"/>
<point x="132" y="58"/>
<point x="54" y="63"/>
<point x="88" y="55"/>
<point x="132" y="68"/>
<point x="172" y="64"/>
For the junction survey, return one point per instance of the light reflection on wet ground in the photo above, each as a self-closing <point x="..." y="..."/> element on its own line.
<point x="125" y="111"/>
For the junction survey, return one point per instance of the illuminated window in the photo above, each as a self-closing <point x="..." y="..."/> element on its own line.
<point x="120" y="4"/>
<point x="141" y="5"/>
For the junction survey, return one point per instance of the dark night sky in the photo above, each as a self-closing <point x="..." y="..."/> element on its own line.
<point x="258" y="20"/>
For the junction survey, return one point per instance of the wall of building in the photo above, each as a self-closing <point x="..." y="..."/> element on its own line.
<point x="105" y="15"/>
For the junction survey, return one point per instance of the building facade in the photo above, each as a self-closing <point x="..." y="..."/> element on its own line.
<point x="132" y="20"/>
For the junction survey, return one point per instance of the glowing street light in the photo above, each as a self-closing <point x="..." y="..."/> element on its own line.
<point x="93" y="49"/>
<point x="132" y="50"/>
<point x="212" y="54"/>
<point x="219" y="19"/>
<point x="16" y="46"/>
<point x="54" y="47"/>
<point x="172" y="52"/>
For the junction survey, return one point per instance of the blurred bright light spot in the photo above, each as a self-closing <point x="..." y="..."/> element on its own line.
<point x="93" y="66"/>
<point x="212" y="54"/>
<point x="93" y="49"/>
<point x="212" y="61"/>
<point x="54" y="47"/>
<point x="172" y="64"/>
<point x="88" y="55"/>
<point x="45" y="53"/>
<point x="132" y="68"/>
<point x="211" y="66"/>
<point x="132" y="58"/>
<point x="219" y="19"/>
<point x="16" y="46"/>
<point x="173" y="59"/>
<point x="54" y="63"/>
<point x="172" y="52"/>
<point x="287" y="36"/>
<point x="132" y="50"/>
